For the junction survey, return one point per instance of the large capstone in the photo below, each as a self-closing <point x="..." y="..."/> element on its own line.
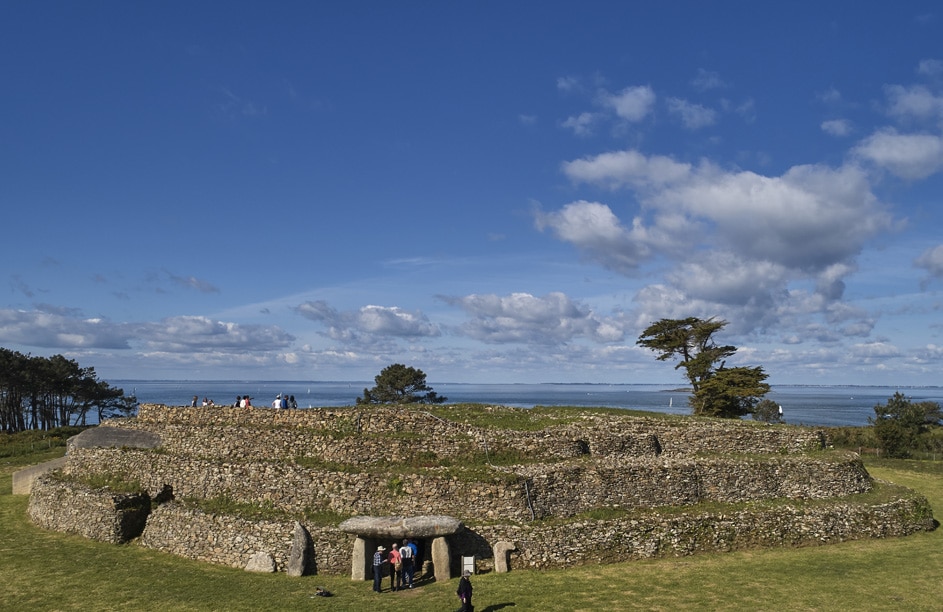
<point x="114" y="437"/>
<point x="396" y="527"/>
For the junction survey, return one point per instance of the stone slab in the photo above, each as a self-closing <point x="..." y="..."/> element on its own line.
<point x="114" y="437"/>
<point x="396" y="527"/>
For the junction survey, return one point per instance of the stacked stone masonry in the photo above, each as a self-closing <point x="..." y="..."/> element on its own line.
<point x="335" y="460"/>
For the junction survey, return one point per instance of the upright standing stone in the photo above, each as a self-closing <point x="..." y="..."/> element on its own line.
<point x="501" y="550"/>
<point x="358" y="560"/>
<point x="441" y="559"/>
<point x="300" y="555"/>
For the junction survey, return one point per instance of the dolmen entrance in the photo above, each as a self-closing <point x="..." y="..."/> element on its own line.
<point x="373" y="531"/>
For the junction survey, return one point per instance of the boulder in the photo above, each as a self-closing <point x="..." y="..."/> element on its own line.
<point x="261" y="562"/>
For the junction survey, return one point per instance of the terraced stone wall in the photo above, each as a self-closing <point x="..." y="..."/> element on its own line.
<point x="226" y="540"/>
<point x="95" y="514"/>
<point x="542" y="545"/>
<point x="522" y="494"/>
<point x="353" y="432"/>
<point x="339" y="460"/>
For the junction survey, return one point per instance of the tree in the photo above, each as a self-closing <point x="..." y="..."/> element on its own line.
<point x="398" y="384"/>
<point x="48" y="392"/>
<point x="717" y="390"/>
<point x="767" y="410"/>
<point x="899" y="423"/>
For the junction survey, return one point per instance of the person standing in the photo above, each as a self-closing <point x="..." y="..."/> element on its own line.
<point x="396" y="569"/>
<point x="464" y="592"/>
<point x="378" y="562"/>
<point x="407" y="554"/>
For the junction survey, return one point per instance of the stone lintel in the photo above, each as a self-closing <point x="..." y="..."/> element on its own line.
<point x="396" y="527"/>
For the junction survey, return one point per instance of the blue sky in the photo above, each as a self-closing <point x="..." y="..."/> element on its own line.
<point x="487" y="191"/>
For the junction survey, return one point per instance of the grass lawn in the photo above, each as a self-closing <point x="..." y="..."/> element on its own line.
<point x="47" y="571"/>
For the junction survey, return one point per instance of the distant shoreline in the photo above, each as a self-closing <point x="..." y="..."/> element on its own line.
<point x="119" y="381"/>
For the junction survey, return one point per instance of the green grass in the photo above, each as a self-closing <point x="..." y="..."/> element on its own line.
<point x="46" y="571"/>
<point x="533" y="419"/>
<point x="27" y="443"/>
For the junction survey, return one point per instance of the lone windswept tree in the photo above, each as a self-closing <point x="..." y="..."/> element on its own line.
<point x="717" y="390"/>
<point x="398" y="384"/>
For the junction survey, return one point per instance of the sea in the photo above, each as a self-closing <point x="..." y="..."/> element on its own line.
<point x="822" y="405"/>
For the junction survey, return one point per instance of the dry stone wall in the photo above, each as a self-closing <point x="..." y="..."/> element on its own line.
<point x="349" y="461"/>
<point x="296" y="489"/>
<point x="362" y="435"/>
<point x="520" y="493"/>
<point x="654" y="534"/>
<point x="97" y="514"/>
<point x="232" y="541"/>
<point x="567" y="490"/>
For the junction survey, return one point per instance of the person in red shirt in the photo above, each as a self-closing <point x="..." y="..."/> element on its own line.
<point x="396" y="568"/>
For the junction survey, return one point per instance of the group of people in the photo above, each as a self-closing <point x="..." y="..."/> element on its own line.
<point x="281" y="401"/>
<point x="284" y="401"/>
<point x="402" y="561"/>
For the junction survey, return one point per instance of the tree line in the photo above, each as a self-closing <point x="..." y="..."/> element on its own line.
<point x="49" y="392"/>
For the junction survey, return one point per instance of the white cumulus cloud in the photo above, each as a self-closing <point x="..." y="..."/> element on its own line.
<point x="617" y="169"/>
<point x="632" y="103"/>
<point x="528" y="319"/>
<point x="908" y="156"/>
